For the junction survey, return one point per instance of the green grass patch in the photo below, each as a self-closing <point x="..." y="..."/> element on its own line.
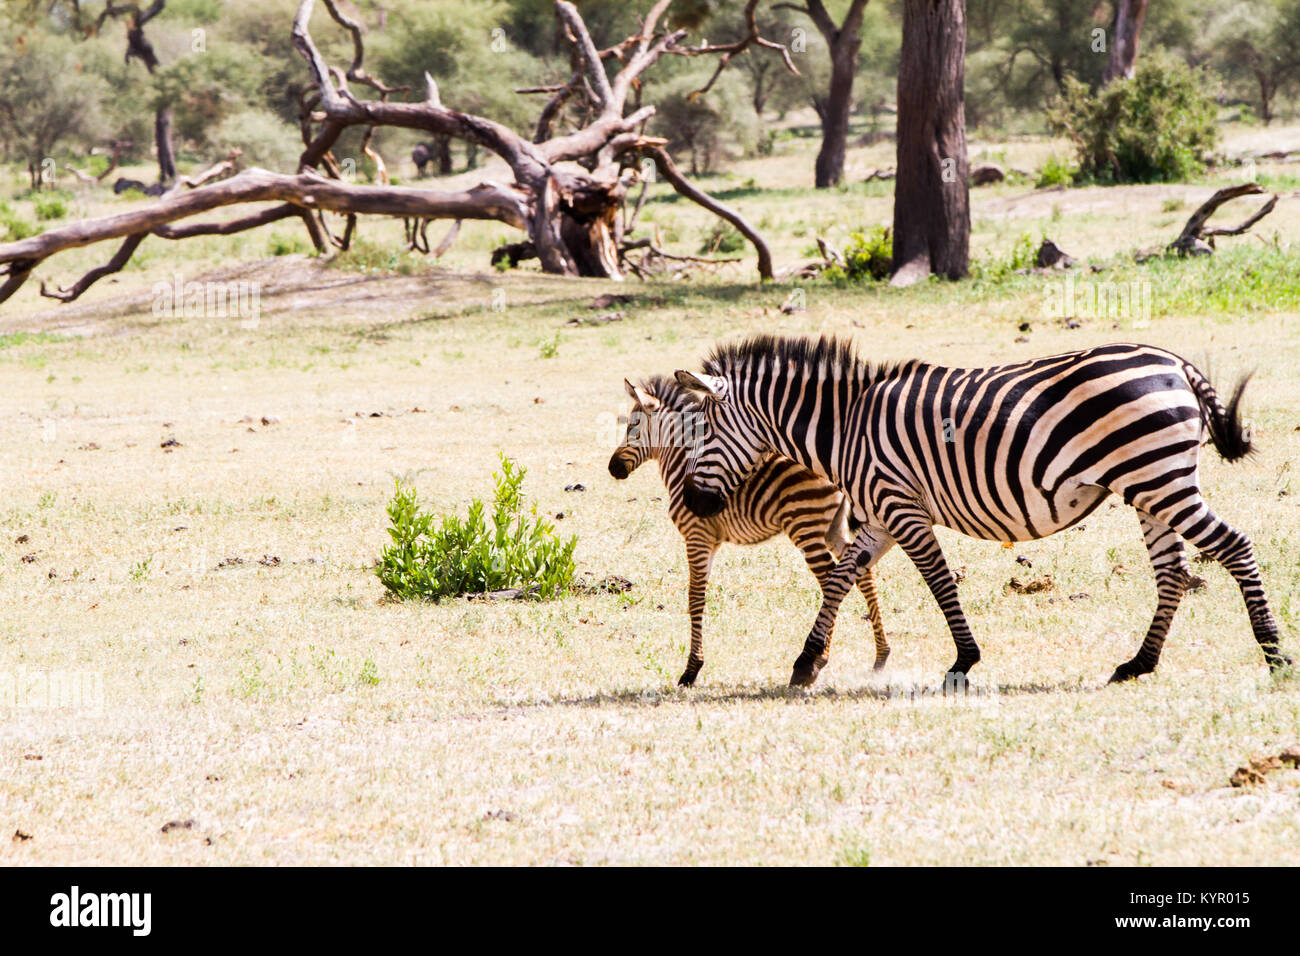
<point x="13" y="339"/>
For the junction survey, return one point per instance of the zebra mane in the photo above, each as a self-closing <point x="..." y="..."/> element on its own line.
<point x="805" y="352"/>
<point x="669" y="392"/>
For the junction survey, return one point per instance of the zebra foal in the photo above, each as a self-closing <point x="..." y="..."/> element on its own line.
<point x="1004" y="453"/>
<point x="779" y="497"/>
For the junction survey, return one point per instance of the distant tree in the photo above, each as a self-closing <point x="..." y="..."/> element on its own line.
<point x="843" y="41"/>
<point x="138" y="47"/>
<point x="46" y="100"/>
<point x="704" y="128"/>
<point x="1260" y="40"/>
<point x="766" y="75"/>
<point x="1056" y="34"/>
<point x="1021" y="52"/>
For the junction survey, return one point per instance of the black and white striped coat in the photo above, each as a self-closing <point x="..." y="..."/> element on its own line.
<point x="1004" y="453"/>
<point x="779" y="497"/>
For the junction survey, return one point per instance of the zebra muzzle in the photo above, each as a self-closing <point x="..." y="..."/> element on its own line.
<point x="618" y="468"/>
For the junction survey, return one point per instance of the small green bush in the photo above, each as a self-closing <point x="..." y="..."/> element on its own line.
<point x="1055" y="172"/>
<point x="374" y="258"/>
<point x="16" y="227"/>
<point x="722" y="239"/>
<point x="869" y="256"/>
<point x="1023" y="255"/>
<point x="434" y="558"/>
<point x="1155" y="127"/>
<point x="282" y="245"/>
<point x="51" y="206"/>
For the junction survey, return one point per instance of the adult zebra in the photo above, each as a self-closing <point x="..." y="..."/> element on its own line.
<point x="779" y="497"/>
<point x="1005" y="453"/>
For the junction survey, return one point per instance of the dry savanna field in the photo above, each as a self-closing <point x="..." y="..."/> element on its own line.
<point x="194" y="505"/>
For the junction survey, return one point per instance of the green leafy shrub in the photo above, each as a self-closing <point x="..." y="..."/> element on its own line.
<point x="16" y="227"/>
<point x="1055" y="172"/>
<point x="371" y="258"/>
<point x="434" y="558"/>
<point x="1023" y="255"/>
<point x="1154" y="127"/>
<point x="51" y="205"/>
<point x="869" y="256"/>
<point x="722" y="239"/>
<point x="549" y="348"/>
<point x="282" y="245"/>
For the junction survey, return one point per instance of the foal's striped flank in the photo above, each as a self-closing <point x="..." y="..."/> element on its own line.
<point x="1005" y="453"/>
<point x="779" y="497"/>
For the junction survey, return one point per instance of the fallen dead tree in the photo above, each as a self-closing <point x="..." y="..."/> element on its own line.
<point x="568" y="193"/>
<point x="1197" y="240"/>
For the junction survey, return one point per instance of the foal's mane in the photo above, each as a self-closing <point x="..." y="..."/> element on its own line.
<point x="669" y="392"/>
<point x="800" y="352"/>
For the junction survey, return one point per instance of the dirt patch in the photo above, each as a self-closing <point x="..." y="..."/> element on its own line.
<point x="1256" y="770"/>
<point x="1030" y="585"/>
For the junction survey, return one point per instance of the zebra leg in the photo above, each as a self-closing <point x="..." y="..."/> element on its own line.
<point x="1233" y="549"/>
<point x="699" y="555"/>
<point x="864" y="552"/>
<point x="867" y="585"/>
<point x="1173" y="573"/>
<point x="915" y="535"/>
<point x="821" y="561"/>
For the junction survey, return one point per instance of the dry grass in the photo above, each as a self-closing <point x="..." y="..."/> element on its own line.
<point x="297" y="717"/>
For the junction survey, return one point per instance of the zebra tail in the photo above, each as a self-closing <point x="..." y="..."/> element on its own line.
<point x="1231" y="438"/>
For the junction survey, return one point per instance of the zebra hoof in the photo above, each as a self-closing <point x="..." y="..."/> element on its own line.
<point x="805" y="675"/>
<point x="1128" y="671"/>
<point x="954" y="683"/>
<point x="1277" y="661"/>
<point x="879" y="665"/>
<point x="688" y="676"/>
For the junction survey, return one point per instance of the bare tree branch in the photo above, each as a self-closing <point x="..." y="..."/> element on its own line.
<point x="579" y="36"/>
<point x="1196" y="239"/>
<point x="119" y="260"/>
<point x="669" y="171"/>
<point x="730" y="50"/>
<point x="229" y="226"/>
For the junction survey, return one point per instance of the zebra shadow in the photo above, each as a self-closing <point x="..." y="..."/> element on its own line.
<point x="902" y="693"/>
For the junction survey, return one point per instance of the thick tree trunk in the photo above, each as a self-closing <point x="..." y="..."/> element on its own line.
<point x="1129" y="15"/>
<point x="1266" y="91"/>
<point x="932" y="196"/>
<point x="835" y="122"/>
<point x="590" y="229"/>
<point x="442" y="149"/>
<point x="162" y="131"/>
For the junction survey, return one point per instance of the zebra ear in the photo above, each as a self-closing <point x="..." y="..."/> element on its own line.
<point x="642" y="397"/>
<point x="703" y="386"/>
